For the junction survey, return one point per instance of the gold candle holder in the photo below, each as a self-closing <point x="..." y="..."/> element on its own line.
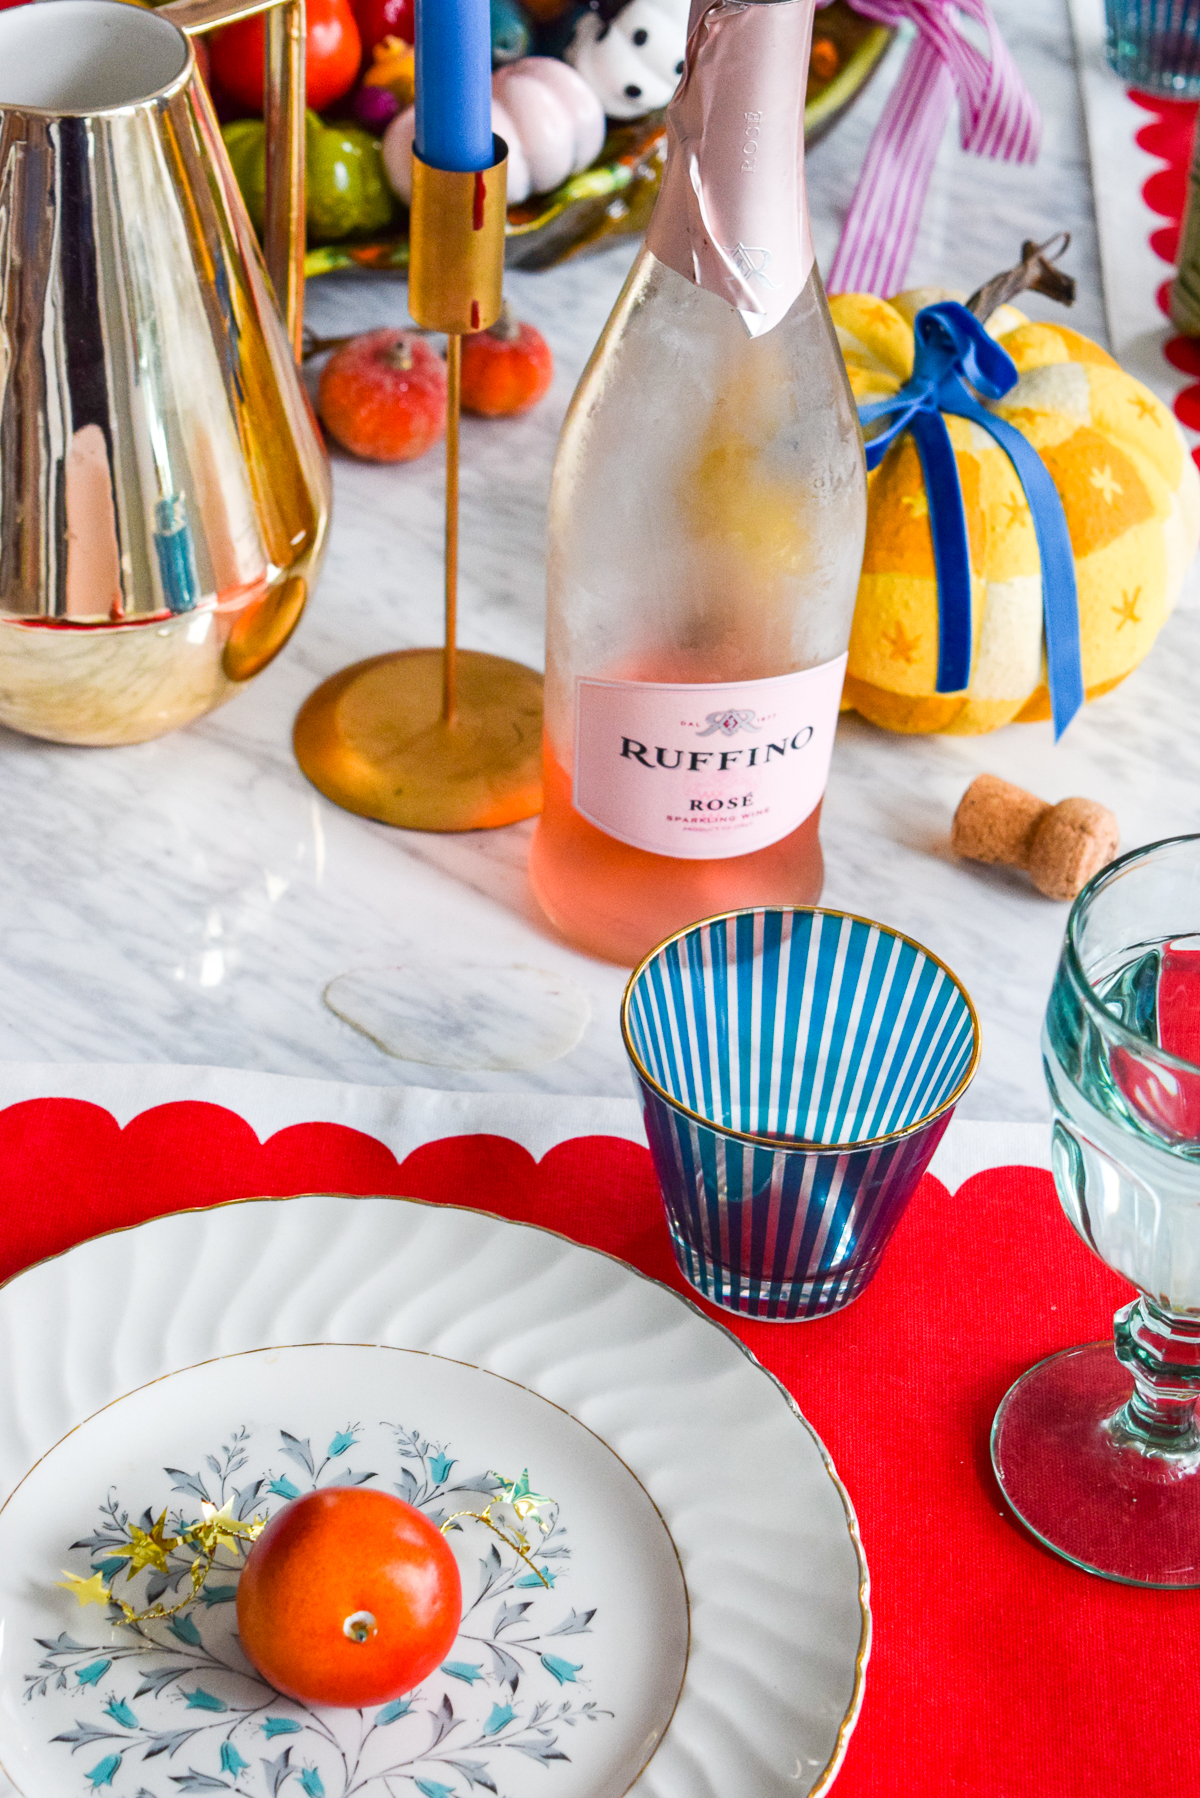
<point x="437" y="739"/>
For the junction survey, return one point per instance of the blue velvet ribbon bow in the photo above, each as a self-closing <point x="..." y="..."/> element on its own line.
<point x="951" y="349"/>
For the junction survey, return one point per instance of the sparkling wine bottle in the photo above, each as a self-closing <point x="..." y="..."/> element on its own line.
<point x="707" y="517"/>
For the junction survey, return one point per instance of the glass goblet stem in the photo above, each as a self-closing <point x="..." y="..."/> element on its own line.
<point x="1161" y="1351"/>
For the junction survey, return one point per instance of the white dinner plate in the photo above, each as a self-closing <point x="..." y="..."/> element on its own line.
<point x="704" y="1629"/>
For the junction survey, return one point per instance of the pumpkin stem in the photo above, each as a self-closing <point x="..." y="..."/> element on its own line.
<point x="312" y="345"/>
<point x="1035" y="273"/>
<point x="507" y="327"/>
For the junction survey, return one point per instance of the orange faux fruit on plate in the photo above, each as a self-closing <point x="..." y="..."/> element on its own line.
<point x="349" y="1597"/>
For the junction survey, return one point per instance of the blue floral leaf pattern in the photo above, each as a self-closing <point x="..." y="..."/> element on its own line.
<point x="168" y="1742"/>
<point x="463" y="1670"/>
<point x="399" y="1707"/>
<point x="200" y="1700"/>
<point x="474" y="1772"/>
<point x="188" y="1482"/>
<point x="508" y="1671"/>
<point x="515" y="1695"/>
<point x="300" y="1452"/>
<point x="407" y="1486"/>
<point x="541" y="1751"/>
<point x="218" y="1594"/>
<point x="443" y="1720"/>
<point x="579" y="1623"/>
<point x="245" y="1500"/>
<point x="84" y="1734"/>
<point x="563" y="1671"/>
<point x="157" y="1680"/>
<point x="277" y="1771"/>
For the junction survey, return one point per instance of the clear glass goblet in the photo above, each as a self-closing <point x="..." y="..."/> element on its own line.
<point x="1097" y="1451"/>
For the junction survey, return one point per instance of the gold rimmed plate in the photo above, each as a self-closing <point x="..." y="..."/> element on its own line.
<point x="702" y="1622"/>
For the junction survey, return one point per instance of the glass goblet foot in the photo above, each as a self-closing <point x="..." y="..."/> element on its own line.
<point x="1099" y="1457"/>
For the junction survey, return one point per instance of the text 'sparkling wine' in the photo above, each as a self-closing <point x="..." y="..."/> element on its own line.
<point x="706" y="529"/>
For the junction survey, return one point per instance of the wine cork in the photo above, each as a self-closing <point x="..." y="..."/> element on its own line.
<point x="1060" y="846"/>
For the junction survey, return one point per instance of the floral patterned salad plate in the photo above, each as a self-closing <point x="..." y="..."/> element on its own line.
<point x="689" y="1620"/>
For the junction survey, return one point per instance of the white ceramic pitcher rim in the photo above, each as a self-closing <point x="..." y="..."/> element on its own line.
<point x="138" y="18"/>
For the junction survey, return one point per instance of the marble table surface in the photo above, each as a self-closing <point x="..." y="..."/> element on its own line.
<point x="190" y="900"/>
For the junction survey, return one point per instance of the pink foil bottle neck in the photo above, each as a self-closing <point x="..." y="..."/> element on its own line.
<point x="732" y="215"/>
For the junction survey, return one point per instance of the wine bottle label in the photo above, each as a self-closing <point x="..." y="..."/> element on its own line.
<point x="704" y="772"/>
<point x="732" y="215"/>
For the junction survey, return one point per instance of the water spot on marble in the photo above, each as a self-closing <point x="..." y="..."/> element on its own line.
<point x="212" y="967"/>
<point x="499" y="1018"/>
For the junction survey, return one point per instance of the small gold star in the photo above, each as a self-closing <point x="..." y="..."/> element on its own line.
<point x="221" y="1529"/>
<point x="149" y="1549"/>
<point x="903" y="647"/>
<point x="87" y="1591"/>
<point x="1145" y="405"/>
<point x="1127" y="613"/>
<point x="1017" y="510"/>
<point x="524" y="1501"/>
<point x="915" y="504"/>
<point x="1104" y="481"/>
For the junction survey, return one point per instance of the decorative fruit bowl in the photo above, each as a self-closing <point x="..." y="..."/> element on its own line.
<point x="615" y="196"/>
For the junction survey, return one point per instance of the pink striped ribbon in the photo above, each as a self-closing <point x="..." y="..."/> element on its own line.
<point x="997" y="117"/>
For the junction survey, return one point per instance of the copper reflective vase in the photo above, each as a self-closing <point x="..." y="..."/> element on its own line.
<point x="164" y="496"/>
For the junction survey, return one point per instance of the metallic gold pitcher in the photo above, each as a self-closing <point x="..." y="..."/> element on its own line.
<point x="164" y="495"/>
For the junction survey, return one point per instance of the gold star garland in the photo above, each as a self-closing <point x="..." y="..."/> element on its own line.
<point x="221" y="1529"/>
<point x="521" y="1498"/>
<point x="150" y="1548"/>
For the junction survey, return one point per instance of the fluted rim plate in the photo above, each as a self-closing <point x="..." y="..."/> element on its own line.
<point x="706" y="1515"/>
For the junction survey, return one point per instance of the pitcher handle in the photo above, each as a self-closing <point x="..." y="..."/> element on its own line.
<point x="284" y="243"/>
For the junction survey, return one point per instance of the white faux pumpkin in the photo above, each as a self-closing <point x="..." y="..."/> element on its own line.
<point x="632" y="55"/>
<point x="548" y="116"/>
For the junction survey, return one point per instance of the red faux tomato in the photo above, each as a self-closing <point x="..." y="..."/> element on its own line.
<point x="383" y="396"/>
<point x="378" y="19"/>
<point x="333" y="51"/>
<point x="349" y="1597"/>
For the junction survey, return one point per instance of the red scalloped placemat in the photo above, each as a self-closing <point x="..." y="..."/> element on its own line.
<point x="996" y="1669"/>
<point x="1169" y="135"/>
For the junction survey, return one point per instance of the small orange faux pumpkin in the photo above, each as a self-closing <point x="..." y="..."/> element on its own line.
<point x="505" y="370"/>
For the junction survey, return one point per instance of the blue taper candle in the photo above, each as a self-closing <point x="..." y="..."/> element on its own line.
<point x="454" y="83"/>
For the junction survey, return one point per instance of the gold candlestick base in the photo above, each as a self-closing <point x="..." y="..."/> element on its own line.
<point x="374" y="739"/>
<point x="437" y="739"/>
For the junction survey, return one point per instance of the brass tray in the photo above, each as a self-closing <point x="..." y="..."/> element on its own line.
<point x="614" y="198"/>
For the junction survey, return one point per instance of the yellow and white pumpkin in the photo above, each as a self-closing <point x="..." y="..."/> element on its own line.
<point x="1129" y="489"/>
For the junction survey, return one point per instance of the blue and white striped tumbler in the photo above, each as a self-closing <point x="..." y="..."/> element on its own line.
<point x="1155" y="44"/>
<point x="797" y="1071"/>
